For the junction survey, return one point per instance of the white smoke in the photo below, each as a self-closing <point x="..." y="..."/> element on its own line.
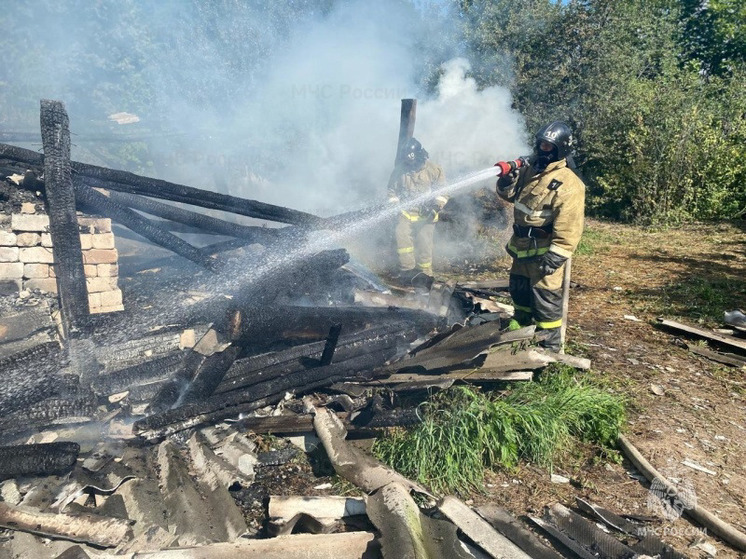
<point x="299" y="109"/>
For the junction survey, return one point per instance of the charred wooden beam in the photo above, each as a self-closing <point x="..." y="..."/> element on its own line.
<point x="222" y="406"/>
<point x="144" y="373"/>
<point x="56" y="410"/>
<point x="140" y="225"/>
<point x="210" y="374"/>
<point x="262" y="368"/>
<point x="293" y="424"/>
<point x="63" y="220"/>
<point x="330" y="345"/>
<point x="292" y="322"/>
<point x="123" y="181"/>
<point x="193" y="219"/>
<point x="38" y="459"/>
<point x="20" y="389"/>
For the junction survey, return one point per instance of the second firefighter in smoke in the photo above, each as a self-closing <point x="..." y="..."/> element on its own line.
<point x="414" y="176"/>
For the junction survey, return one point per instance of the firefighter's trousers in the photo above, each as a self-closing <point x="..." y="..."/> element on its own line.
<point x="538" y="297"/>
<point x="414" y="242"/>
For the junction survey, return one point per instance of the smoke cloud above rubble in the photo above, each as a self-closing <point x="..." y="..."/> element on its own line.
<point x="294" y="105"/>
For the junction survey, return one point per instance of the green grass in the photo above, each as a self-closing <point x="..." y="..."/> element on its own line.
<point x="703" y="299"/>
<point x="593" y="242"/>
<point x="465" y="431"/>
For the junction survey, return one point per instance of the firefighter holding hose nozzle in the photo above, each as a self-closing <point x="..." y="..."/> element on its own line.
<point x="549" y="205"/>
<point x="414" y="176"/>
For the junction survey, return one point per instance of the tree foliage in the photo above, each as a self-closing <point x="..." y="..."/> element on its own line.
<point x="658" y="138"/>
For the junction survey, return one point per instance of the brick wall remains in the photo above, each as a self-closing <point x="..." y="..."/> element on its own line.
<point x="26" y="260"/>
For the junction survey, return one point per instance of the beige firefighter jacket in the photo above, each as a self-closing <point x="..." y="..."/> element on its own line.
<point x="554" y="200"/>
<point x="409" y="185"/>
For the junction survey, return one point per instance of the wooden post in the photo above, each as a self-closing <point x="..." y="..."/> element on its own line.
<point x="565" y="302"/>
<point x="406" y="125"/>
<point x="63" y="221"/>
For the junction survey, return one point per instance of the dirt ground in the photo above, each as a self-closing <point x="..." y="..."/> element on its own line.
<point x="681" y="406"/>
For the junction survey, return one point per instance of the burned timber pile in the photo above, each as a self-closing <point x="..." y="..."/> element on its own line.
<point x="130" y="433"/>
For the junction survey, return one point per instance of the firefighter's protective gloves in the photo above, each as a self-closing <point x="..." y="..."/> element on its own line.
<point x="507" y="179"/>
<point x="550" y="262"/>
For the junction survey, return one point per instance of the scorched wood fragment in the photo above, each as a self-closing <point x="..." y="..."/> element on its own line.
<point x="63" y="220"/>
<point x="222" y="406"/>
<point x="261" y="368"/>
<point x="149" y="372"/>
<point x="313" y="323"/>
<point x="142" y="226"/>
<point x="38" y="459"/>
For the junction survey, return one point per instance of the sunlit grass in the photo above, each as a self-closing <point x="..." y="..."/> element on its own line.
<point x="465" y="431"/>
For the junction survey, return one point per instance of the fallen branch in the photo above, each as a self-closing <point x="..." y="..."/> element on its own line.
<point x="704" y="517"/>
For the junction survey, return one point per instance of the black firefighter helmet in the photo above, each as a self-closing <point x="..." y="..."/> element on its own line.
<point x="413" y="154"/>
<point x="559" y="135"/>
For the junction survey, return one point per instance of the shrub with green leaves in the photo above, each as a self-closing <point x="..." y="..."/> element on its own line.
<point x="465" y="431"/>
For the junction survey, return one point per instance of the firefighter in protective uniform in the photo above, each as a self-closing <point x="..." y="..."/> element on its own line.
<point x="416" y="176"/>
<point x="549" y="206"/>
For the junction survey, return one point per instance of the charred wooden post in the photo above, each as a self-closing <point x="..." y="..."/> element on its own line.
<point x="331" y="345"/>
<point x="194" y="219"/>
<point x="140" y="225"/>
<point x="63" y="221"/>
<point x="38" y="459"/>
<point x="406" y="125"/>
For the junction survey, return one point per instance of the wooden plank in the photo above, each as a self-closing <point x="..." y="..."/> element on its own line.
<point x="63" y="220"/>
<point x="726" y="358"/>
<point x="480" y="531"/>
<point x="707" y="334"/>
<point x="141" y="225"/>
